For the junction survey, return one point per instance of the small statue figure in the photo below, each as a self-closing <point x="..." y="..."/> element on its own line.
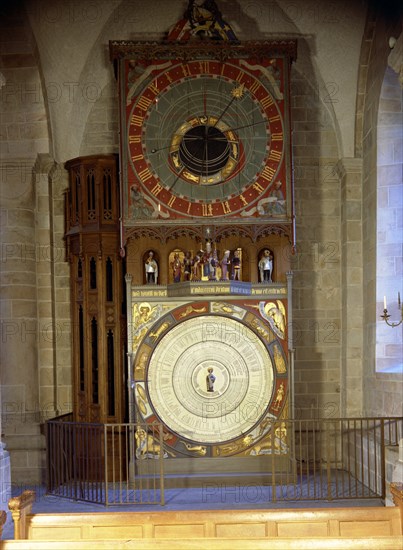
<point x="151" y="268"/>
<point x="225" y="262"/>
<point x="236" y="267"/>
<point x="203" y="19"/>
<point x="279" y="397"/>
<point x="187" y="266"/>
<point x="213" y="260"/>
<point x="206" y="258"/>
<point x="176" y="266"/>
<point x="210" y="379"/>
<point x="206" y="21"/>
<point x="266" y="267"/>
<point x="197" y="265"/>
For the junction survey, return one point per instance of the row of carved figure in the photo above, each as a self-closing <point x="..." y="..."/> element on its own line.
<point x="205" y="265"/>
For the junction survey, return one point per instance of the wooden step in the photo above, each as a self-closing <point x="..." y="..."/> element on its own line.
<point x="326" y="543"/>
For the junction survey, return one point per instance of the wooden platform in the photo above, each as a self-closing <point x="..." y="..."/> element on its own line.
<point x="341" y="522"/>
<point x="320" y="528"/>
<point x="378" y="543"/>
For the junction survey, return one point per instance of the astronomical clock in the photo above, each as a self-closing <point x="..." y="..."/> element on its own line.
<point x="207" y="229"/>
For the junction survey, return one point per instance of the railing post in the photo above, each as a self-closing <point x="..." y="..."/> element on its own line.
<point x="162" y="486"/>
<point x="396" y="490"/>
<point x="48" y="457"/>
<point x="273" y="469"/>
<point x="383" y="465"/>
<point x="20" y="507"/>
<point x="105" y="433"/>
<point x="328" y="469"/>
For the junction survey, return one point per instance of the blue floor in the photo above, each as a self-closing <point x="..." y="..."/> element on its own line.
<point x="210" y="497"/>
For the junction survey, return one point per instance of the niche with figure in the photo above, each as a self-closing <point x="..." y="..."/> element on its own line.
<point x="265" y="266"/>
<point x="176" y="263"/>
<point x="207" y="264"/>
<point x="150" y="261"/>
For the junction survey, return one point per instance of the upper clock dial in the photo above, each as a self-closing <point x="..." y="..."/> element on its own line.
<point x="205" y="138"/>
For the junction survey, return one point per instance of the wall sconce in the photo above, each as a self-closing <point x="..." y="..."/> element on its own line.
<point x="386" y="316"/>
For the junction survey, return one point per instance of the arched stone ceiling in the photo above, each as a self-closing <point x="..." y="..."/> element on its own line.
<point x="72" y="39"/>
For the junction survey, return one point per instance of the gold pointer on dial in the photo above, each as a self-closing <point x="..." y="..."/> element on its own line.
<point x="236" y="93"/>
<point x="204" y="148"/>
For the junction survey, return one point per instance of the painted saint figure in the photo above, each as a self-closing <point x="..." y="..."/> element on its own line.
<point x="210" y="379"/>
<point x="225" y="262"/>
<point x="279" y="397"/>
<point x="266" y="267"/>
<point x="176" y="266"/>
<point x="277" y="207"/>
<point x="213" y="265"/>
<point x="187" y="265"/>
<point x="206" y="259"/>
<point x="236" y="267"/>
<point x="197" y="266"/>
<point x="151" y="268"/>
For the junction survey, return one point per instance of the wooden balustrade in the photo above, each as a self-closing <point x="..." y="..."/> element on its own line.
<point x="396" y="490"/>
<point x="20" y="508"/>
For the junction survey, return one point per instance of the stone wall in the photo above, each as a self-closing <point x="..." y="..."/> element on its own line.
<point x="35" y="329"/>
<point x="316" y="265"/>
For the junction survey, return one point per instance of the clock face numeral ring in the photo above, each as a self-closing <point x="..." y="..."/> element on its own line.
<point x="205" y="138"/>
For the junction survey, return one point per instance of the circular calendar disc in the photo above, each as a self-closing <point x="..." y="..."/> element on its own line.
<point x="210" y="379"/>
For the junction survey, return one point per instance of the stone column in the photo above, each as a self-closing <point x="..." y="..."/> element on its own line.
<point x="35" y="314"/>
<point x="5" y="469"/>
<point x="53" y="289"/>
<point x="350" y="173"/>
<point x="19" y="322"/>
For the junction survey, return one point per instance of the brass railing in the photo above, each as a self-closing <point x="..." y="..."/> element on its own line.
<point x="319" y="459"/>
<point x="335" y="459"/>
<point x="105" y="463"/>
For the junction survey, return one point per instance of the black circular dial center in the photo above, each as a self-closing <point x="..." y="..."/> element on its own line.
<point x="204" y="150"/>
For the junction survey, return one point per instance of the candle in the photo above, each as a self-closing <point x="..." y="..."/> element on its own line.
<point x="384" y="302"/>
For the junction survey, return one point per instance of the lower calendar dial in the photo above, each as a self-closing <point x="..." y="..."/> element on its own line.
<point x="210" y="379"/>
